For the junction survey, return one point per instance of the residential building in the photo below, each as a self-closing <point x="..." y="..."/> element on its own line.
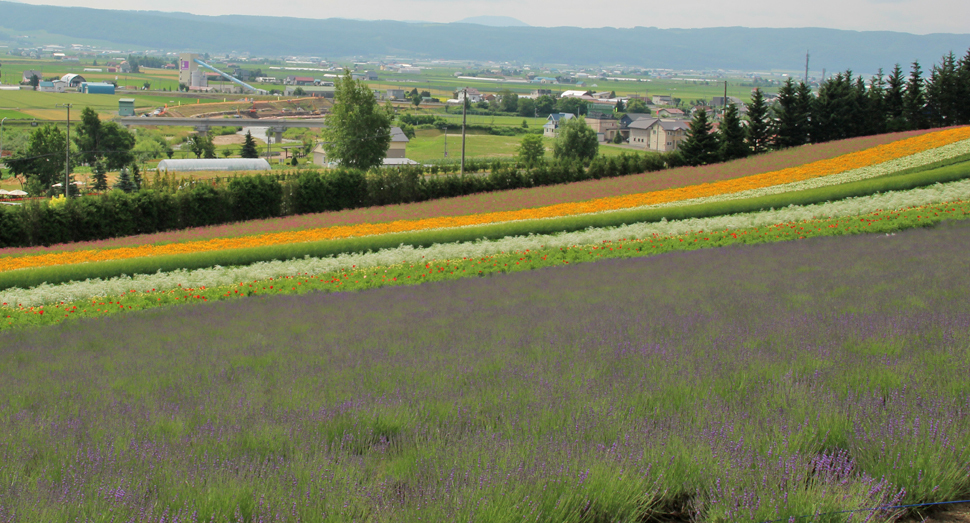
<point x="399" y="144"/>
<point x="553" y="122"/>
<point x="29" y="73"/>
<point x="575" y="94"/>
<point x="662" y="99"/>
<point x="367" y="76"/>
<point x="658" y="134"/>
<point x="671" y="113"/>
<point x="395" y="94"/>
<point x="605" y="125"/>
<point x="56" y="86"/>
<point x="311" y="90"/>
<point x="396" y="151"/>
<point x="473" y="95"/>
<point x="718" y="101"/>
<point x="540" y="92"/>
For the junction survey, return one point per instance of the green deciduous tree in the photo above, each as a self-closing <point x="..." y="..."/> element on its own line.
<point x="700" y="147"/>
<point x="531" y="150"/>
<point x="576" y="140"/>
<point x="545" y="105"/>
<point x="103" y="141"/>
<point x="201" y="145"/>
<point x="731" y="136"/>
<point x="572" y="105"/>
<point x="249" y="149"/>
<point x="637" y="106"/>
<point x="41" y="163"/>
<point x="758" y="132"/>
<point x="509" y="101"/>
<point x="358" y="130"/>
<point x="527" y="107"/>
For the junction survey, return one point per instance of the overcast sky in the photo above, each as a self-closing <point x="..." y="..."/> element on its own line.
<point x="910" y="16"/>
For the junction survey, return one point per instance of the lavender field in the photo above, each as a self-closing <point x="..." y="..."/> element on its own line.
<point x="735" y="384"/>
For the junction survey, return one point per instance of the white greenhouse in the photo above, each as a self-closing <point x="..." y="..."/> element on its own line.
<point x="214" y="164"/>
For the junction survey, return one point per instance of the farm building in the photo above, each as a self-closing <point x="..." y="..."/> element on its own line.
<point x="73" y="80"/>
<point x="97" y="88"/>
<point x="126" y="107"/>
<point x="214" y="164"/>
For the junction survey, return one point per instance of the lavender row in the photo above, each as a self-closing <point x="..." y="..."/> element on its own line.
<point x="748" y="383"/>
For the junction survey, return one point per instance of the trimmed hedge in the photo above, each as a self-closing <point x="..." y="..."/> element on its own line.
<point x="170" y="206"/>
<point x="58" y="274"/>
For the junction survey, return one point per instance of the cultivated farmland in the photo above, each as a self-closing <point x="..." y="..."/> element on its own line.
<point x="781" y="337"/>
<point x="752" y="383"/>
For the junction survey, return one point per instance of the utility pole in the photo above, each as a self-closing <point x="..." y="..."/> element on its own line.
<point x="67" y="153"/>
<point x="806" y="67"/>
<point x="446" y="140"/>
<point x="1" y="139"/>
<point x="464" y="106"/>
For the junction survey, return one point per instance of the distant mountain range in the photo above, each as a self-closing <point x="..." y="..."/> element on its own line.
<point x="723" y="47"/>
<point x="494" y="21"/>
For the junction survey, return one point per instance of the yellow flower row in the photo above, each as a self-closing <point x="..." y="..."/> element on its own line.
<point x="873" y="156"/>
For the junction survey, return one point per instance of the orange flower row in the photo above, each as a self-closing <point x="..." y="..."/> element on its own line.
<point x="873" y="156"/>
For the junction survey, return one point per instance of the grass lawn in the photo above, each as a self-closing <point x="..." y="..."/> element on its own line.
<point x="429" y="145"/>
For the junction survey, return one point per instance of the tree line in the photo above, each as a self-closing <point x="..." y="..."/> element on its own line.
<point x="843" y="106"/>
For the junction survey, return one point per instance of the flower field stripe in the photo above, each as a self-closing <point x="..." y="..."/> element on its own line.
<point x="495" y="201"/>
<point x="939" y="154"/>
<point x="221" y="276"/>
<point x="868" y="157"/>
<point x="242" y="257"/>
<point x="427" y="270"/>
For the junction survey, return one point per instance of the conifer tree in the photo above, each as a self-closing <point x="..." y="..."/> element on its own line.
<point x="876" y="105"/>
<point x="963" y="92"/>
<point x="731" y="136"/>
<point x="893" y="100"/>
<point x="792" y="121"/>
<point x="136" y="176"/>
<point x="914" y="102"/>
<point x="700" y="147"/>
<point x="249" y="149"/>
<point x="758" y="133"/>
<point x="124" y="181"/>
<point x="100" y="177"/>
<point x="941" y="92"/>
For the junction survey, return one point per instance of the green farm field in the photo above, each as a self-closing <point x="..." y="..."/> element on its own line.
<point x="428" y="145"/>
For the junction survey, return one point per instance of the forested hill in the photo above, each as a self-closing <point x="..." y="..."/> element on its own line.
<point x="726" y="47"/>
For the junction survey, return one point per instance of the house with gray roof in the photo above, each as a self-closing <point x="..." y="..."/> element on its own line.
<point x="658" y="134"/>
<point x="551" y="127"/>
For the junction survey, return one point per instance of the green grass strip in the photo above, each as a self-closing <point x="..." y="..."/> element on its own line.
<point x="413" y="274"/>
<point x="63" y="273"/>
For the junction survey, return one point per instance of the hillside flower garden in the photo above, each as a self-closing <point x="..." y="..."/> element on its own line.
<point x="790" y="344"/>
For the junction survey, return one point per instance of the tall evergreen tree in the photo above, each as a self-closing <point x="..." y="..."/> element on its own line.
<point x="100" y="177"/>
<point x="136" y="176"/>
<point x="876" y="105"/>
<point x="792" y="120"/>
<point x="700" y="147"/>
<point x="758" y="134"/>
<point x="915" y="101"/>
<point x="731" y="136"/>
<point x="124" y="181"/>
<point x="942" y="91"/>
<point x="963" y="91"/>
<point x="803" y="104"/>
<point x="249" y="149"/>
<point x="893" y="100"/>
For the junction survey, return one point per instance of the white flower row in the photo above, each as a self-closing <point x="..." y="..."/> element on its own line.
<point x="221" y="276"/>
<point x="863" y="173"/>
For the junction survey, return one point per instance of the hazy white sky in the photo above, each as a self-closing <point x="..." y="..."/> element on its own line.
<point x="910" y="16"/>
